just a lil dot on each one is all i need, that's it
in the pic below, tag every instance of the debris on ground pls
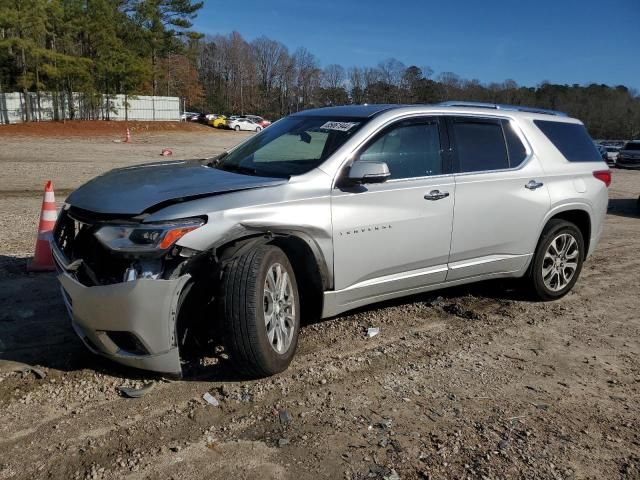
(9, 366)
(210, 399)
(373, 331)
(132, 392)
(393, 475)
(285, 417)
(459, 311)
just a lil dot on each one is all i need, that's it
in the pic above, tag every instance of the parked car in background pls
(612, 155)
(199, 118)
(603, 152)
(243, 123)
(186, 116)
(259, 120)
(629, 155)
(220, 121)
(327, 211)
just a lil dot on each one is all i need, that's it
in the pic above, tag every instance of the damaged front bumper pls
(132, 323)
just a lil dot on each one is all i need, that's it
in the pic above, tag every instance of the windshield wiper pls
(235, 168)
(213, 162)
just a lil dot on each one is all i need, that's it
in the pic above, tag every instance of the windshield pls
(292, 146)
(632, 146)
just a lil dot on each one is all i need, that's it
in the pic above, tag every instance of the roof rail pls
(501, 106)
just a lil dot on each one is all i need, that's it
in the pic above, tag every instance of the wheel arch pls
(310, 268)
(577, 213)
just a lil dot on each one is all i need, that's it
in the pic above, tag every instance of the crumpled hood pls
(133, 190)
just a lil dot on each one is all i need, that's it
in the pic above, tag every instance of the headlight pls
(145, 238)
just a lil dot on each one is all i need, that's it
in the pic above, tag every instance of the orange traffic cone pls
(42, 259)
(127, 138)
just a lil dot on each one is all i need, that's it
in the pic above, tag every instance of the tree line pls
(93, 48)
(148, 47)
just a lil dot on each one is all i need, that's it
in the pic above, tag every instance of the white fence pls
(16, 107)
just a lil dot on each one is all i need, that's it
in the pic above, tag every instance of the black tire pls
(242, 308)
(258, 129)
(237, 129)
(553, 229)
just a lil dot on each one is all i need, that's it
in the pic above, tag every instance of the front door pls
(395, 236)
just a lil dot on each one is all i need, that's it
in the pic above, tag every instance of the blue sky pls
(562, 41)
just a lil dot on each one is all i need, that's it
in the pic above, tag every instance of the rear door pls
(501, 198)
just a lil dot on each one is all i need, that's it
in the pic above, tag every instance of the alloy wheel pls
(279, 308)
(560, 262)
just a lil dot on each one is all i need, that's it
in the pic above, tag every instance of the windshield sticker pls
(340, 126)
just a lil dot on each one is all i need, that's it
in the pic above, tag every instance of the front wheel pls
(237, 129)
(261, 308)
(258, 129)
(557, 261)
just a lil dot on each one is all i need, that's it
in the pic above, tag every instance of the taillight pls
(604, 175)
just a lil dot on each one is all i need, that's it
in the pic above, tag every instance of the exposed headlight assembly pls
(146, 238)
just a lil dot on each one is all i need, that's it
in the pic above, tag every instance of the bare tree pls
(308, 76)
(333, 76)
(267, 53)
(356, 84)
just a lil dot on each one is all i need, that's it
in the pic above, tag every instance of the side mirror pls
(369, 172)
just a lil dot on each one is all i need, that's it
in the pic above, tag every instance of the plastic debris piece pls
(393, 475)
(210, 399)
(373, 331)
(136, 392)
(7, 366)
(38, 372)
(282, 442)
(385, 424)
(285, 417)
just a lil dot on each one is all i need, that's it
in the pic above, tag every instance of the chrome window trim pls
(349, 157)
(424, 177)
(512, 121)
(518, 131)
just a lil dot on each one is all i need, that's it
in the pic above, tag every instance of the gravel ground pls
(472, 382)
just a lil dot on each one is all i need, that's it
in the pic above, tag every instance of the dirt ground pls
(472, 382)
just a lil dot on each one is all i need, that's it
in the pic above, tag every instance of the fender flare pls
(565, 207)
(247, 238)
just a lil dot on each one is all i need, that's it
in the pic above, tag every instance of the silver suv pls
(325, 211)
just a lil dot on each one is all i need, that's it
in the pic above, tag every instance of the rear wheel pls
(258, 129)
(237, 129)
(260, 305)
(557, 261)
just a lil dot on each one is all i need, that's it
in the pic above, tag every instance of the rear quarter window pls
(572, 139)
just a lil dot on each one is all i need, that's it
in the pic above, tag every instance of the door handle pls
(436, 195)
(533, 184)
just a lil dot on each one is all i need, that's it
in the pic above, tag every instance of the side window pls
(572, 139)
(480, 144)
(409, 150)
(517, 152)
